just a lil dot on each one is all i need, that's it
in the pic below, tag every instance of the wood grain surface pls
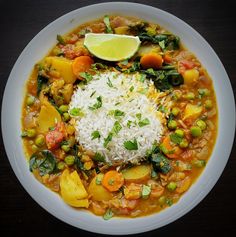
(20, 21)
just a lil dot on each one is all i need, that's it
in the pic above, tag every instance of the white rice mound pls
(127, 94)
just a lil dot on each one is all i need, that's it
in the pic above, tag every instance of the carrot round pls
(151, 60)
(176, 150)
(112, 180)
(81, 64)
(167, 58)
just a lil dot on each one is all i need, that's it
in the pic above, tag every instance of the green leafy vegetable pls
(131, 145)
(87, 76)
(108, 215)
(143, 122)
(160, 163)
(106, 20)
(61, 40)
(98, 157)
(107, 139)
(97, 105)
(95, 134)
(41, 80)
(44, 161)
(138, 116)
(78, 164)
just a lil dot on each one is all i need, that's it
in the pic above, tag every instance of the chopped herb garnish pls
(109, 83)
(131, 88)
(143, 122)
(146, 190)
(117, 103)
(98, 179)
(97, 105)
(76, 112)
(107, 139)
(116, 128)
(92, 94)
(98, 157)
(131, 145)
(106, 20)
(138, 116)
(129, 123)
(118, 113)
(175, 138)
(61, 40)
(97, 66)
(87, 76)
(108, 215)
(95, 134)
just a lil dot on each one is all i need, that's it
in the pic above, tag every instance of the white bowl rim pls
(117, 226)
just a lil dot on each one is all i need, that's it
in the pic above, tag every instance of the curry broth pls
(185, 167)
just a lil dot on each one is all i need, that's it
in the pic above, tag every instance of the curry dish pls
(119, 137)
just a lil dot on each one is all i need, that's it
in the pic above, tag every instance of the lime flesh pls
(111, 47)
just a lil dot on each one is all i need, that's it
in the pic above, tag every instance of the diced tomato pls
(53, 138)
(72, 39)
(183, 65)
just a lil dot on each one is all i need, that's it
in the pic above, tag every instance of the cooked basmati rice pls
(123, 93)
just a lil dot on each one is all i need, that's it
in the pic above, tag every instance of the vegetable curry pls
(84, 178)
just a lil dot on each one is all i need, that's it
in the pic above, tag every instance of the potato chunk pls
(190, 76)
(63, 66)
(192, 111)
(97, 191)
(72, 189)
(44, 121)
(137, 173)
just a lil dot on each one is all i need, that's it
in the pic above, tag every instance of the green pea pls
(69, 160)
(65, 148)
(31, 132)
(66, 117)
(40, 140)
(195, 131)
(183, 143)
(162, 200)
(61, 165)
(30, 100)
(190, 96)
(175, 111)
(171, 186)
(177, 95)
(199, 163)
(203, 92)
(208, 104)
(34, 148)
(179, 133)
(172, 124)
(63, 108)
(201, 124)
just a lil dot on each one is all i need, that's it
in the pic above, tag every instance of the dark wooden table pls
(20, 21)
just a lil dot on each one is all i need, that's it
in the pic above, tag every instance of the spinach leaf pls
(160, 163)
(44, 161)
(106, 20)
(41, 80)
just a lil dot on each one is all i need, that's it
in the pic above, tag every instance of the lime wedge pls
(111, 47)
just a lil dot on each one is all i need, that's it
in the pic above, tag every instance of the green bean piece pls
(201, 124)
(208, 104)
(65, 148)
(61, 165)
(30, 100)
(171, 186)
(183, 143)
(63, 108)
(31, 132)
(175, 111)
(179, 133)
(66, 117)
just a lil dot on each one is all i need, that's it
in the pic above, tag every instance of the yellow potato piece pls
(137, 173)
(183, 185)
(192, 111)
(48, 117)
(190, 76)
(63, 66)
(72, 189)
(97, 191)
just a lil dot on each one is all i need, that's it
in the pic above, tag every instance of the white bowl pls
(11, 119)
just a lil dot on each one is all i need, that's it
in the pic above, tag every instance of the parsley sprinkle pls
(109, 83)
(107, 139)
(116, 128)
(118, 113)
(95, 134)
(87, 76)
(131, 145)
(98, 157)
(143, 122)
(76, 112)
(92, 94)
(97, 105)
(131, 88)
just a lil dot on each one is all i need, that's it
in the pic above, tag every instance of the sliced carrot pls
(167, 58)
(151, 60)
(172, 151)
(112, 180)
(81, 64)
